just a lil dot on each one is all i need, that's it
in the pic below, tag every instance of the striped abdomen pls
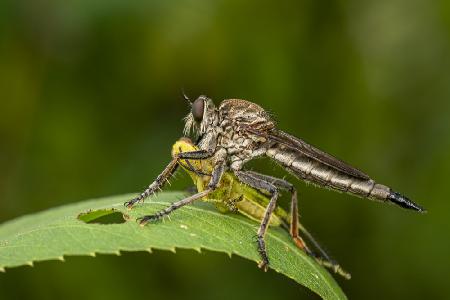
(314, 171)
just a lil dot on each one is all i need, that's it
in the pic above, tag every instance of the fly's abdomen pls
(321, 174)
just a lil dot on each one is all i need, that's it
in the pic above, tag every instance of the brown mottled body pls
(240, 121)
(241, 146)
(247, 131)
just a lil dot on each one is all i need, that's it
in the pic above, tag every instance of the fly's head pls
(203, 115)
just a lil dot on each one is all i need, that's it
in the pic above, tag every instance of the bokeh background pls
(90, 105)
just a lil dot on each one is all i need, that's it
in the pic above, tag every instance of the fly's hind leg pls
(261, 184)
(293, 224)
(324, 259)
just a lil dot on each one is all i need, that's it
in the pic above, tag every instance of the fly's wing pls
(316, 154)
(254, 119)
(311, 152)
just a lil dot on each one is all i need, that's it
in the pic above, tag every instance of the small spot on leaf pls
(103, 216)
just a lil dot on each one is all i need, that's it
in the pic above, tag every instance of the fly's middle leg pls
(293, 224)
(261, 184)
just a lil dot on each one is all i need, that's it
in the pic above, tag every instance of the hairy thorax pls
(240, 145)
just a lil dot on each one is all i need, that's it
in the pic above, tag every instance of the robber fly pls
(237, 197)
(238, 131)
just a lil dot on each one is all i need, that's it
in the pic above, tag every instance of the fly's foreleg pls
(293, 224)
(191, 168)
(164, 177)
(174, 206)
(217, 172)
(261, 184)
(155, 185)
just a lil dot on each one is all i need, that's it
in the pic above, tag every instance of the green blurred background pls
(90, 105)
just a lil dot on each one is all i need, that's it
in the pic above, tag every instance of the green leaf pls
(86, 229)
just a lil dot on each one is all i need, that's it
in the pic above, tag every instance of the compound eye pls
(197, 109)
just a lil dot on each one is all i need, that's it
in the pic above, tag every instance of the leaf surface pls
(73, 230)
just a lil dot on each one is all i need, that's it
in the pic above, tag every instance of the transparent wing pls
(308, 150)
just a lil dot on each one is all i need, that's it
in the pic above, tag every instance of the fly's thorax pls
(240, 145)
(236, 141)
(237, 160)
(236, 116)
(225, 127)
(244, 113)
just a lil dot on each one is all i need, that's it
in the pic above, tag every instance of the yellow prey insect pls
(235, 196)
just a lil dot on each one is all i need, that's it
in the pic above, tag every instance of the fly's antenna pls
(185, 97)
